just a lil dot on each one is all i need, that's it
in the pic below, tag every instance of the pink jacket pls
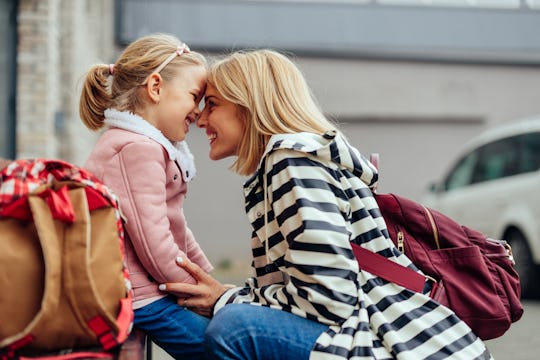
(151, 191)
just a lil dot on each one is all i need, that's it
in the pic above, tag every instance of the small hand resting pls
(201, 297)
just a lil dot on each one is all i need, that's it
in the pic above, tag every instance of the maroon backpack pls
(473, 275)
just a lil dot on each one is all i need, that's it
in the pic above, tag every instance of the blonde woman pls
(146, 102)
(308, 197)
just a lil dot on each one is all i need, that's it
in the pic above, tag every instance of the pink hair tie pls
(111, 69)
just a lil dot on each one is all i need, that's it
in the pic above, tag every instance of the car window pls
(461, 174)
(499, 159)
(530, 152)
(496, 160)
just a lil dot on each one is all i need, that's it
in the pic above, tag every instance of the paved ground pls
(521, 342)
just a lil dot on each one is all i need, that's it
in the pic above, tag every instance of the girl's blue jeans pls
(251, 332)
(175, 329)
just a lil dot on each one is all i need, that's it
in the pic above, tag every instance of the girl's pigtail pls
(95, 96)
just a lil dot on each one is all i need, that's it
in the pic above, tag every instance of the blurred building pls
(409, 79)
(47, 46)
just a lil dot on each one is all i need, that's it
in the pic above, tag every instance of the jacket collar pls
(302, 141)
(177, 151)
(330, 146)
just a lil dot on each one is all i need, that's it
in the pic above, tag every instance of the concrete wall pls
(58, 41)
(416, 114)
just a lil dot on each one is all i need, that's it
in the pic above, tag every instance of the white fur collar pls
(178, 151)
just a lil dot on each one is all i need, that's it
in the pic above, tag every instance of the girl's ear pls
(153, 87)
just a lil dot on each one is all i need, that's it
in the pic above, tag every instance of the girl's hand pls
(201, 297)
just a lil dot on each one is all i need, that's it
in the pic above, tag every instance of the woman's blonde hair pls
(272, 97)
(118, 85)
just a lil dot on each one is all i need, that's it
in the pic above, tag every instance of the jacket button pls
(259, 214)
(175, 176)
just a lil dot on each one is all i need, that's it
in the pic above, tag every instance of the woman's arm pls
(310, 209)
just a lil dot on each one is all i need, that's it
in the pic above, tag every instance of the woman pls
(308, 197)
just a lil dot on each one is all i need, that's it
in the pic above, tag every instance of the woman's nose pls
(202, 119)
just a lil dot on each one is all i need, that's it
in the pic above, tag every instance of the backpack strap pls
(48, 242)
(387, 269)
(78, 281)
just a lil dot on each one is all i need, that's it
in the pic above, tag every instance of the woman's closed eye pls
(210, 104)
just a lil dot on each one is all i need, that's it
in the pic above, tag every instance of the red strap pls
(19, 209)
(95, 199)
(59, 204)
(14, 346)
(105, 333)
(391, 271)
(124, 319)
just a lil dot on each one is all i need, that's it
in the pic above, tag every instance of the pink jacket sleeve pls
(143, 198)
(195, 253)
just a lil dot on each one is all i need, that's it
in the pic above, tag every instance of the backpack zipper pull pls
(401, 242)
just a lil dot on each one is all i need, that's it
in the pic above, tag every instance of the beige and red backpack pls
(63, 280)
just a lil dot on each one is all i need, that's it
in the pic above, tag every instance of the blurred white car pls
(494, 187)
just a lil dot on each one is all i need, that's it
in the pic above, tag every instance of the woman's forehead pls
(211, 91)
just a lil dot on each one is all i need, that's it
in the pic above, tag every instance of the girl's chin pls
(180, 137)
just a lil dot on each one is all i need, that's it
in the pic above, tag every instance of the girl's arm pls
(143, 201)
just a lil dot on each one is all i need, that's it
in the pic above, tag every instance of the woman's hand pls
(201, 297)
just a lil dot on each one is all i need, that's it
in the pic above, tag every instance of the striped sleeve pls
(308, 210)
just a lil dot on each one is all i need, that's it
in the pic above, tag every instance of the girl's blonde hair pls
(272, 97)
(118, 86)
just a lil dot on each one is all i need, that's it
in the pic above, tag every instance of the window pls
(461, 174)
(530, 152)
(498, 159)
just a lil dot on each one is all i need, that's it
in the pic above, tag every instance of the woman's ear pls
(153, 87)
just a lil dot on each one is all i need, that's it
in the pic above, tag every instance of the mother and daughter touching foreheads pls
(307, 197)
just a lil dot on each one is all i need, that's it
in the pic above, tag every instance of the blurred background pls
(412, 80)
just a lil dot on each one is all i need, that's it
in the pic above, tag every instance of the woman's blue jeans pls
(251, 332)
(176, 330)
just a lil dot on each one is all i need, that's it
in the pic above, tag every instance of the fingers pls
(192, 268)
(201, 296)
(181, 288)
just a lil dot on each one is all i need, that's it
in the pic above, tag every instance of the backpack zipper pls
(401, 242)
(433, 227)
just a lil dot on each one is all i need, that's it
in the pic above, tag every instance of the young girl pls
(307, 198)
(147, 101)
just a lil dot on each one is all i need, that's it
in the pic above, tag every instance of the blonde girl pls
(146, 103)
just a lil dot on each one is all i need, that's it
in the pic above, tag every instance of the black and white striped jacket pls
(318, 200)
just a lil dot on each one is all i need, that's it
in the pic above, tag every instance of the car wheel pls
(525, 266)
